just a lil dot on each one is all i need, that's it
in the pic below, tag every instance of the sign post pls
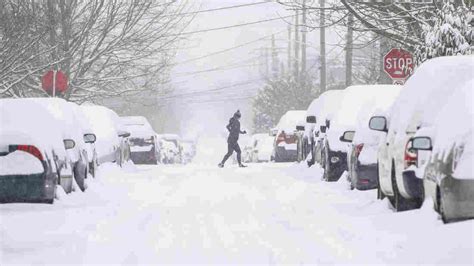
(398, 64)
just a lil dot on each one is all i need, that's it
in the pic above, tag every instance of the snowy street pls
(264, 214)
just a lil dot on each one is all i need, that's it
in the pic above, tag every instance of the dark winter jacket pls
(234, 130)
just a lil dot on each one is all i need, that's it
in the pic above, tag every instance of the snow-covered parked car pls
(143, 142)
(33, 158)
(362, 153)
(316, 115)
(89, 137)
(351, 112)
(327, 105)
(71, 128)
(285, 144)
(417, 106)
(448, 172)
(112, 139)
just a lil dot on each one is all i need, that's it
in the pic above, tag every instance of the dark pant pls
(231, 147)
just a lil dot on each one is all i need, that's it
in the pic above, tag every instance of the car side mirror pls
(422, 143)
(123, 134)
(69, 144)
(299, 128)
(273, 132)
(322, 129)
(311, 119)
(378, 123)
(348, 136)
(89, 138)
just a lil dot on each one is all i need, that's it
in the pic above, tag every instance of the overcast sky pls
(209, 111)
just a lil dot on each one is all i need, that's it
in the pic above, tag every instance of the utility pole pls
(303, 43)
(349, 46)
(322, 46)
(275, 64)
(289, 50)
(297, 47)
(267, 64)
(384, 48)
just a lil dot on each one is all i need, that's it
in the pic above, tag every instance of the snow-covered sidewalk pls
(264, 214)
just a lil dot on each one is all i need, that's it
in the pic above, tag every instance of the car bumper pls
(458, 198)
(366, 176)
(286, 155)
(143, 157)
(27, 188)
(412, 185)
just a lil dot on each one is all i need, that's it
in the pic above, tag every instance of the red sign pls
(398, 64)
(54, 82)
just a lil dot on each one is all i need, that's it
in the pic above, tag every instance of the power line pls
(215, 69)
(193, 93)
(228, 49)
(230, 27)
(218, 9)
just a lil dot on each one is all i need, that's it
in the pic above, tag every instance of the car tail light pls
(358, 149)
(410, 155)
(290, 139)
(29, 149)
(281, 137)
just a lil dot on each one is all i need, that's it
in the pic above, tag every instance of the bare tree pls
(106, 48)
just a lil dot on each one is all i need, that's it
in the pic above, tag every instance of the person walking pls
(232, 140)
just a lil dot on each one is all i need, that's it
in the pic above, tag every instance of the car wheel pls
(440, 205)
(399, 202)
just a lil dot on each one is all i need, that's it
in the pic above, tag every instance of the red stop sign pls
(47, 82)
(398, 63)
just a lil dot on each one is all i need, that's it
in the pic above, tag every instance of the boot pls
(221, 165)
(242, 166)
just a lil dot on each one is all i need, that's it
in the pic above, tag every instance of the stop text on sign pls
(398, 64)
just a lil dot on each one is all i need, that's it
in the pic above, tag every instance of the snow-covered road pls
(264, 214)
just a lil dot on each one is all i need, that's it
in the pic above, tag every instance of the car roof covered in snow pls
(357, 102)
(25, 122)
(327, 100)
(291, 119)
(138, 126)
(65, 112)
(170, 136)
(380, 103)
(425, 93)
(134, 120)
